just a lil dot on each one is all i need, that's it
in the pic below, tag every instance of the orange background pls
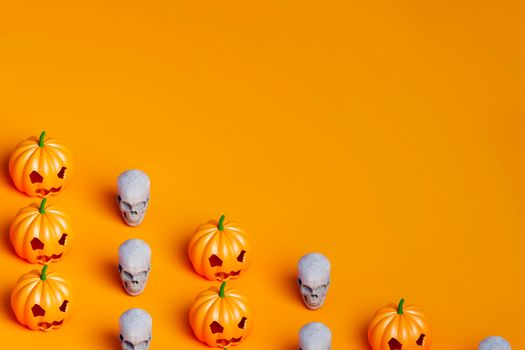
(387, 135)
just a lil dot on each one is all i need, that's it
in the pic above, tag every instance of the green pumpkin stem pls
(221, 291)
(43, 206)
(43, 275)
(400, 306)
(221, 223)
(41, 139)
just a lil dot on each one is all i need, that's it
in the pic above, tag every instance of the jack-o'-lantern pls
(40, 167)
(219, 251)
(220, 317)
(41, 233)
(399, 327)
(41, 300)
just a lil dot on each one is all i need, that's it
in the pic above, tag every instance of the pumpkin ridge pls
(377, 321)
(210, 247)
(29, 164)
(54, 157)
(33, 297)
(209, 300)
(21, 152)
(56, 229)
(387, 332)
(413, 327)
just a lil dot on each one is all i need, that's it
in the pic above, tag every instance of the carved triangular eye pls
(62, 240)
(216, 327)
(63, 307)
(36, 244)
(242, 323)
(35, 177)
(240, 258)
(38, 311)
(420, 340)
(394, 344)
(215, 261)
(62, 172)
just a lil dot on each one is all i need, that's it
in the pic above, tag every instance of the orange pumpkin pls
(399, 327)
(220, 317)
(41, 234)
(219, 251)
(41, 300)
(40, 167)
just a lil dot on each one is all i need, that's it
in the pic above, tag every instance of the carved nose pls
(133, 212)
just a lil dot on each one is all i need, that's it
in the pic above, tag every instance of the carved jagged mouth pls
(47, 326)
(45, 191)
(223, 275)
(47, 258)
(226, 342)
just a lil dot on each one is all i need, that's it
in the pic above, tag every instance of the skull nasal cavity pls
(62, 239)
(35, 177)
(63, 307)
(38, 311)
(242, 323)
(215, 327)
(394, 344)
(420, 340)
(215, 261)
(62, 172)
(36, 244)
(240, 258)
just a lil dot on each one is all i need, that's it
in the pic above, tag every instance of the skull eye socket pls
(36, 244)
(242, 323)
(125, 205)
(240, 258)
(119, 268)
(215, 261)
(299, 281)
(394, 344)
(37, 310)
(63, 307)
(121, 337)
(216, 327)
(35, 177)
(420, 340)
(62, 173)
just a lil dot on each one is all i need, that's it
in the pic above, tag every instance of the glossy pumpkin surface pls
(41, 233)
(219, 251)
(40, 167)
(220, 317)
(41, 300)
(399, 327)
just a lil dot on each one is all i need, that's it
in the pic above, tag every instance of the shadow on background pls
(109, 205)
(6, 305)
(109, 271)
(111, 340)
(289, 287)
(183, 323)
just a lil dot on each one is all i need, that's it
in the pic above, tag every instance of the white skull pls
(135, 330)
(133, 195)
(314, 279)
(315, 336)
(494, 343)
(134, 264)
